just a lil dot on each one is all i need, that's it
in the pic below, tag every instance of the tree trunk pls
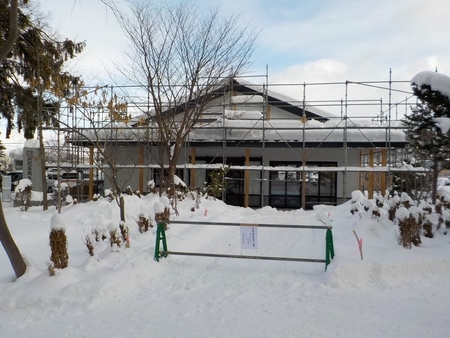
(13, 31)
(122, 208)
(10, 246)
(173, 160)
(434, 183)
(42, 155)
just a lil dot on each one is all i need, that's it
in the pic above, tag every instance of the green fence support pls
(329, 249)
(160, 236)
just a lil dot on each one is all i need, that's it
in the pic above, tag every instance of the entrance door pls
(286, 186)
(285, 189)
(235, 188)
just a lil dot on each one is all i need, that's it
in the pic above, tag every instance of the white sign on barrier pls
(249, 236)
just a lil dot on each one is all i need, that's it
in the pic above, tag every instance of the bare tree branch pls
(181, 57)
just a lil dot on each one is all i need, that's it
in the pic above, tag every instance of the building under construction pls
(285, 145)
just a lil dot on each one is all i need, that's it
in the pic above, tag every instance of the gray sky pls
(300, 40)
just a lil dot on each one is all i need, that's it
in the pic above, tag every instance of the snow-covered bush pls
(63, 189)
(87, 240)
(162, 211)
(114, 237)
(144, 222)
(22, 194)
(409, 226)
(125, 233)
(414, 218)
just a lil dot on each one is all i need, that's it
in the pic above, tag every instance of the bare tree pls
(181, 57)
(104, 120)
(7, 162)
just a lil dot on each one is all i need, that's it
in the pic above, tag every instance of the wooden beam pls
(383, 175)
(141, 171)
(192, 179)
(247, 178)
(91, 174)
(370, 183)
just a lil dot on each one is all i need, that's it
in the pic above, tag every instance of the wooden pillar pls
(370, 183)
(361, 173)
(246, 178)
(192, 183)
(141, 170)
(91, 174)
(383, 175)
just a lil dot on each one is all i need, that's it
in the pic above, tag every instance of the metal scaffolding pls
(357, 107)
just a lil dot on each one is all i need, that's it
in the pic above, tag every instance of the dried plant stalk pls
(58, 244)
(88, 242)
(163, 216)
(114, 238)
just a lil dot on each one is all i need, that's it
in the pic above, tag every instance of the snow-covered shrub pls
(196, 196)
(376, 212)
(446, 218)
(110, 195)
(379, 201)
(87, 240)
(144, 222)
(359, 202)
(406, 200)
(129, 191)
(99, 233)
(409, 226)
(180, 189)
(162, 212)
(114, 237)
(125, 233)
(393, 204)
(367, 205)
(427, 226)
(70, 200)
(151, 187)
(22, 194)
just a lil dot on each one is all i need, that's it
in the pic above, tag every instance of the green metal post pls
(160, 236)
(329, 250)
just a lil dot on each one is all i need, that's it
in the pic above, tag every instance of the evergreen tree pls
(31, 66)
(429, 142)
(32, 75)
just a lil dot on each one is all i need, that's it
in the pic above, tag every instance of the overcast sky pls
(300, 40)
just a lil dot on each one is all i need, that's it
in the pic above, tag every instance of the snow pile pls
(121, 292)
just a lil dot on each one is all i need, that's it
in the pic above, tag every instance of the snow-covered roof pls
(236, 127)
(279, 96)
(294, 130)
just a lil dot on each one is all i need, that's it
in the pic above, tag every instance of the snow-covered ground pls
(393, 292)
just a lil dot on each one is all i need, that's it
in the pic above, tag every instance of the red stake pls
(359, 244)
